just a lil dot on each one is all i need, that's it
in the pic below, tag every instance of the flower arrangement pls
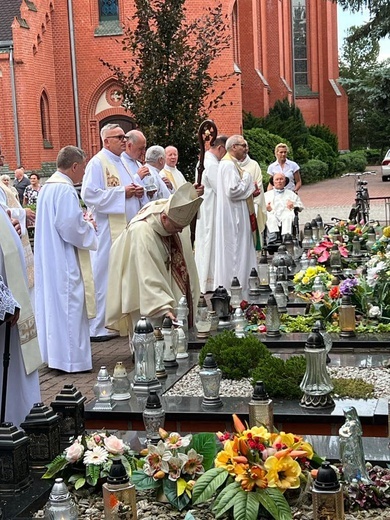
(173, 466)
(322, 250)
(88, 459)
(346, 231)
(304, 280)
(253, 472)
(254, 314)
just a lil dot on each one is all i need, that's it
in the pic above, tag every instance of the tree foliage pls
(286, 119)
(166, 80)
(367, 84)
(379, 23)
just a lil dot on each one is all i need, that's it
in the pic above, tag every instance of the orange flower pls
(253, 476)
(334, 293)
(238, 425)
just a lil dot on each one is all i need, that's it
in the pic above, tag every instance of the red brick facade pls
(261, 52)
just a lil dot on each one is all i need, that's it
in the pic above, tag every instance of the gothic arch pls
(103, 91)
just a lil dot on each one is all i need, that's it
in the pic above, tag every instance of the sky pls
(346, 19)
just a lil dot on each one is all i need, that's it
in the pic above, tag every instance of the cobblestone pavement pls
(332, 197)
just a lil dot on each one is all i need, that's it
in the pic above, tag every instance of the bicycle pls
(360, 211)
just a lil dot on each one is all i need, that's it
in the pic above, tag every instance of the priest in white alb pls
(205, 223)
(114, 195)
(236, 232)
(151, 267)
(64, 284)
(25, 358)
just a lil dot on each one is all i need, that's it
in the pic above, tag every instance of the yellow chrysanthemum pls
(386, 232)
(311, 271)
(282, 473)
(305, 280)
(251, 477)
(298, 277)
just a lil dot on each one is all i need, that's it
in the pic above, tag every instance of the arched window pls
(45, 121)
(108, 10)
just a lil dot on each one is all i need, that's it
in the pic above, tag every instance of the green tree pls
(286, 119)
(166, 80)
(379, 23)
(367, 93)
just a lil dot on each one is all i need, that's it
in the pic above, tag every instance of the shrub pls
(358, 161)
(262, 144)
(313, 171)
(352, 388)
(320, 149)
(374, 156)
(281, 378)
(286, 119)
(236, 357)
(325, 133)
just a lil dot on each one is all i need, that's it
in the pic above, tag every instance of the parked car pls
(385, 167)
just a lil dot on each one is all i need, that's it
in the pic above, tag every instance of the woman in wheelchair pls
(282, 206)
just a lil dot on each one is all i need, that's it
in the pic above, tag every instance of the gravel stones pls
(190, 384)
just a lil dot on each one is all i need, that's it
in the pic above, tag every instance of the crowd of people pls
(128, 252)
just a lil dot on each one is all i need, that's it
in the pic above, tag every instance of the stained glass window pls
(108, 10)
(300, 42)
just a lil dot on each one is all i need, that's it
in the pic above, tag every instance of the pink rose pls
(114, 445)
(74, 452)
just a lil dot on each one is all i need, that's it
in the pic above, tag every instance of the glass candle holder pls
(120, 383)
(347, 317)
(144, 350)
(272, 319)
(235, 293)
(153, 417)
(281, 298)
(119, 497)
(60, 504)
(170, 341)
(182, 344)
(159, 351)
(202, 324)
(327, 494)
(210, 377)
(316, 384)
(103, 390)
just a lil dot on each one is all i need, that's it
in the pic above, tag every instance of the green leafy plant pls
(236, 357)
(281, 378)
(173, 466)
(353, 388)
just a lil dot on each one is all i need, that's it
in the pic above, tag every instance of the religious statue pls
(351, 448)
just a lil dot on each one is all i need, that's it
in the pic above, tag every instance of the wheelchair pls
(272, 241)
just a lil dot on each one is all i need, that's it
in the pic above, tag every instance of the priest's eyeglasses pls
(121, 137)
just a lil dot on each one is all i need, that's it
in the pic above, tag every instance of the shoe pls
(101, 339)
(273, 239)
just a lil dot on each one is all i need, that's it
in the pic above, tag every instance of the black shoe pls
(101, 339)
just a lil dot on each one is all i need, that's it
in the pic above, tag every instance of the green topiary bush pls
(320, 149)
(281, 378)
(326, 134)
(314, 171)
(236, 357)
(262, 144)
(358, 161)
